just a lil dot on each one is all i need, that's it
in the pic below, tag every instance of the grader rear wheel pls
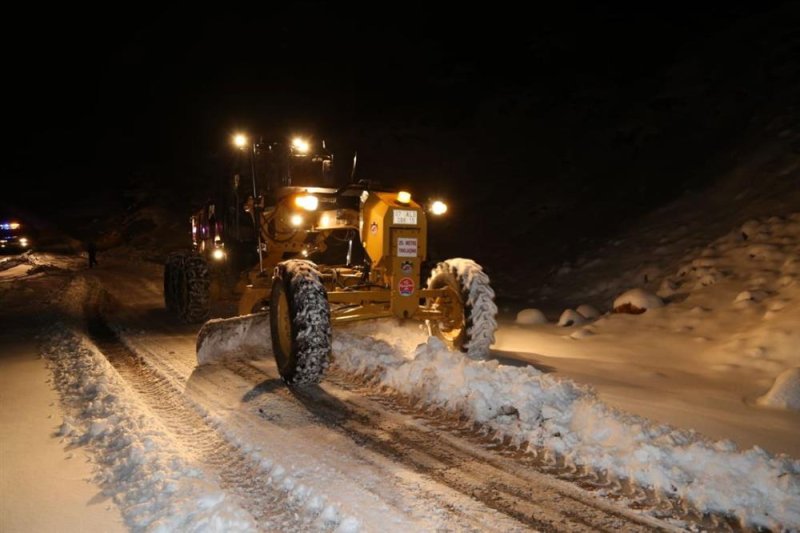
(469, 311)
(192, 294)
(172, 269)
(300, 323)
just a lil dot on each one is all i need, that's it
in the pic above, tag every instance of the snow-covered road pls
(402, 435)
(343, 455)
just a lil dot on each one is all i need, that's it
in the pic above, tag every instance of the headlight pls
(300, 145)
(296, 220)
(404, 197)
(23, 241)
(438, 207)
(218, 254)
(309, 202)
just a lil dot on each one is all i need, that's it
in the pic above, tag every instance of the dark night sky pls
(99, 97)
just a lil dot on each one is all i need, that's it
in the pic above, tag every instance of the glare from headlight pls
(218, 254)
(300, 145)
(296, 220)
(309, 202)
(240, 140)
(438, 207)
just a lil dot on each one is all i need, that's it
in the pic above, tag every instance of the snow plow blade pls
(237, 337)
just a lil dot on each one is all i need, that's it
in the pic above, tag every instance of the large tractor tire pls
(470, 311)
(192, 295)
(172, 268)
(300, 323)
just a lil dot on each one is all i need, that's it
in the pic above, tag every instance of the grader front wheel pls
(452, 327)
(300, 323)
(469, 311)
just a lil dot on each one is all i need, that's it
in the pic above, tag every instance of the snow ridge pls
(152, 485)
(568, 420)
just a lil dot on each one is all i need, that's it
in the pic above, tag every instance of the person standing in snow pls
(92, 249)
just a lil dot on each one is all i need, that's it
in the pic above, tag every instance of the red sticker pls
(406, 287)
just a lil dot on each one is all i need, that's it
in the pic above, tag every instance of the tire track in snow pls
(234, 470)
(576, 482)
(461, 460)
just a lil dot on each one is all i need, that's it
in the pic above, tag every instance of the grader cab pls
(330, 256)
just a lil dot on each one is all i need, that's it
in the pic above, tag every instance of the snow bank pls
(153, 486)
(785, 392)
(529, 317)
(561, 417)
(12, 261)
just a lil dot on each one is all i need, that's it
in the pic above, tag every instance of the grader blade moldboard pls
(224, 338)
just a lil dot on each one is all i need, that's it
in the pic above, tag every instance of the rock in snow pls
(636, 301)
(570, 317)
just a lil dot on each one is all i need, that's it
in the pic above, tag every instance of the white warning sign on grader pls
(404, 216)
(406, 247)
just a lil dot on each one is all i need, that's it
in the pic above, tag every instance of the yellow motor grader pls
(330, 256)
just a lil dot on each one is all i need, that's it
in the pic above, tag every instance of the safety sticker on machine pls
(406, 247)
(405, 287)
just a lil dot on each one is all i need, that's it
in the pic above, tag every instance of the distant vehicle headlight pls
(218, 254)
(296, 220)
(23, 241)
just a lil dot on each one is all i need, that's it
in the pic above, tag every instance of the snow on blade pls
(153, 486)
(562, 417)
(221, 338)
